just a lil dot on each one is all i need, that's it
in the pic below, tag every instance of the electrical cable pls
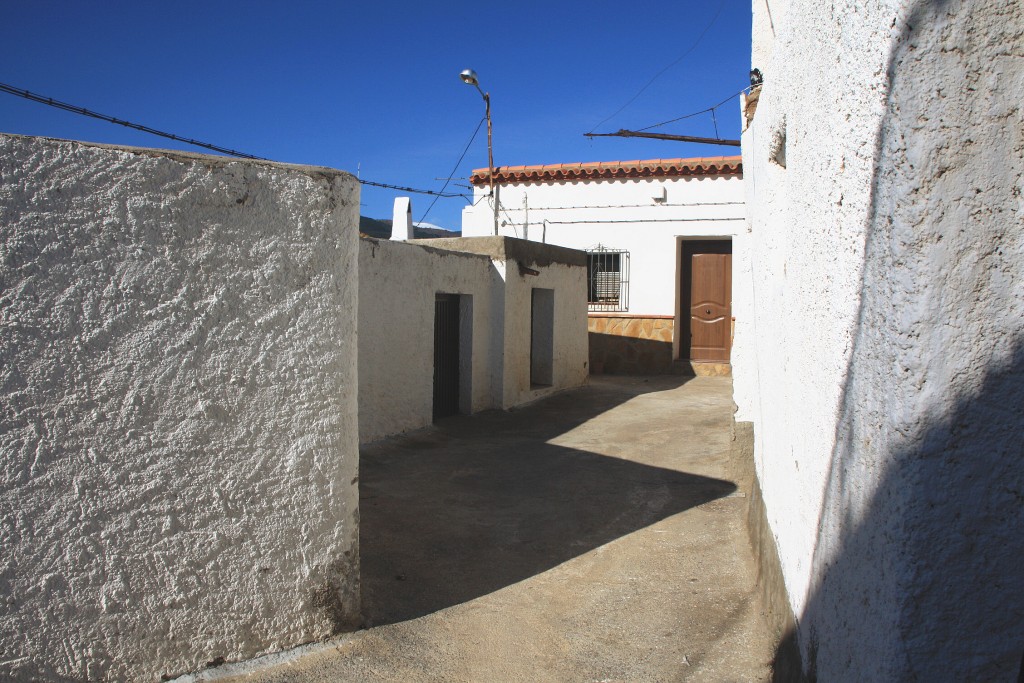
(411, 189)
(455, 169)
(693, 47)
(74, 109)
(509, 219)
(624, 206)
(648, 220)
(696, 113)
(128, 124)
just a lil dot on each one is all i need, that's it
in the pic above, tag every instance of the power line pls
(624, 206)
(615, 221)
(509, 218)
(643, 220)
(707, 28)
(454, 169)
(411, 189)
(49, 101)
(696, 113)
(128, 124)
(639, 133)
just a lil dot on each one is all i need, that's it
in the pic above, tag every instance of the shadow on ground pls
(478, 503)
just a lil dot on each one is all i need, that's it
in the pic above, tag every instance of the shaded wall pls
(887, 443)
(630, 345)
(177, 409)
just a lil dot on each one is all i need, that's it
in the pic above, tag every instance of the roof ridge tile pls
(635, 168)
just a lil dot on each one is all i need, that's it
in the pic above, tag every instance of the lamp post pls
(469, 77)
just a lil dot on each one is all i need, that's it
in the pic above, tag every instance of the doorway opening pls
(542, 337)
(705, 301)
(446, 355)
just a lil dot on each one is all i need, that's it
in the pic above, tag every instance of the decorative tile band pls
(630, 345)
(658, 329)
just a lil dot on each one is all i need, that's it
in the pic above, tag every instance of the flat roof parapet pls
(509, 249)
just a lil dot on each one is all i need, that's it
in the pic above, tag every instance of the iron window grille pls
(607, 279)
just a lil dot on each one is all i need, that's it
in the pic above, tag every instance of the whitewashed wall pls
(885, 364)
(619, 214)
(766, 13)
(564, 272)
(398, 284)
(178, 444)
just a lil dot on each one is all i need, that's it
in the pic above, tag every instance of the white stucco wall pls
(883, 371)
(619, 214)
(178, 444)
(569, 283)
(398, 284)
(765, 15)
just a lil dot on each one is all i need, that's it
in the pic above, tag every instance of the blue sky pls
(374, 85)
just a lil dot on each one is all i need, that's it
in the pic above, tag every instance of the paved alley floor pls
(592, 536)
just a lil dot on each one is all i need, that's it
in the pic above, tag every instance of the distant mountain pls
(381, 229)
(431, 226)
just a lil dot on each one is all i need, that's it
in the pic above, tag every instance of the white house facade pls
(659, 236)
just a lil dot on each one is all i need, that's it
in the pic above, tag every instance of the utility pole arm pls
(664, 136)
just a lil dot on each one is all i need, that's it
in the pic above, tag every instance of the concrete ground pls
(593, 536)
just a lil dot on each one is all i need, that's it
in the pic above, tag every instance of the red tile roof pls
(651, 168)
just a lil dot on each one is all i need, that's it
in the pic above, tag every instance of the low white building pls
(460, 325)
(659, 236)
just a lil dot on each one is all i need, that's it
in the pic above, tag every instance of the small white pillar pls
(401, 220)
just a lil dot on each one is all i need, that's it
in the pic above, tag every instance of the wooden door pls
(446, 355)
(706, 301)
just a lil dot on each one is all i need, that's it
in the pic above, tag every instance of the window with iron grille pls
(607, 279)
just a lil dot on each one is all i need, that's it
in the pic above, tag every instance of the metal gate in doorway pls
(446, 355)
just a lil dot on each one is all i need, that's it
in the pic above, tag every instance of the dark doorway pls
(446, 355)
(706, 301)
(542, 337)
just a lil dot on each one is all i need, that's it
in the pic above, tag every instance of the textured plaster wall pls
(885, 371)
(620, 214)
(570, 362)
(765, 15)
(178, 445)
(398, 284)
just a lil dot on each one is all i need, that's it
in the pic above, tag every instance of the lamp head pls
(468, 76)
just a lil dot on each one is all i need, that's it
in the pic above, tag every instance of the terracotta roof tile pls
(650, 168)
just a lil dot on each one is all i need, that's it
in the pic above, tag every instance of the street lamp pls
(469, 77)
